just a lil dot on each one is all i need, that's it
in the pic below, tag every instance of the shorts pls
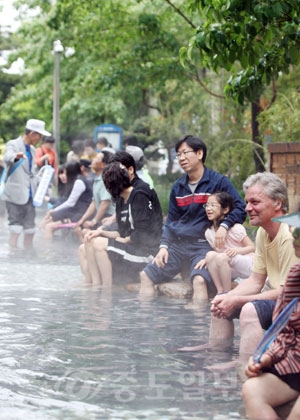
(180, 253)
(264, 309)
(21, 217)
(119, 252)
(68, 214)
(292, 379)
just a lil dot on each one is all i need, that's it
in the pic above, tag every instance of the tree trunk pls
(170, 160)
(258, 151)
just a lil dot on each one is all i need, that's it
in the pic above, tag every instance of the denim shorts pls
(264, 309)
(181, 252)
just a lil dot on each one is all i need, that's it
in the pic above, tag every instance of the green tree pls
(8, 82)
(122, 58)
(254, 41)
(282, 120)
(124, 68)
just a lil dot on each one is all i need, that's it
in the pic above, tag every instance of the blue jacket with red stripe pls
(187, 218)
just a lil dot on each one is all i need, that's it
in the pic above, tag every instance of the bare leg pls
(45, 220)
(147, 286)
(80, 233)
(92, 267)
(103, 261)
(251, 334)
(50, 228)
(220, 335)
(221, 332)
(13, 240)
(251, 330)
(28, 240)
(295, 412)
(83, 264)
(263, 393)
(200, 294)
(219, 269)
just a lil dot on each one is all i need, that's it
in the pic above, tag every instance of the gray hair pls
(273, 187)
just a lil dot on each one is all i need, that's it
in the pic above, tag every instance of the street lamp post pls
(57, 50)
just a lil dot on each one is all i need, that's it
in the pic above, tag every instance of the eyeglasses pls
(178, 155)
(211, 206)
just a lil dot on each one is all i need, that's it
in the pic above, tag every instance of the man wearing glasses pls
(183, 240)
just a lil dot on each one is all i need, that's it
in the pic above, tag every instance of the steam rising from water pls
(70, 352)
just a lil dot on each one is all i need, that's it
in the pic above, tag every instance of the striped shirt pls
(285, 350)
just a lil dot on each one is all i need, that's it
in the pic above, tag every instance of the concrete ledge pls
(176, 288)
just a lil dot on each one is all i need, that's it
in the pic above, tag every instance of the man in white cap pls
(21, 182)
(138, 156)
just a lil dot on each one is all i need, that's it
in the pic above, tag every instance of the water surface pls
(69, 352)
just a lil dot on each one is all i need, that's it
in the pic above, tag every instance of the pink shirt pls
(234, 237)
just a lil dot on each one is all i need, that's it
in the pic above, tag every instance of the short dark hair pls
(195, 143)
(48, 139)
(102, 140)
(115, 178)
(89, 143)
(85, 162)
(131, 140)
(107, 156)
(27, 131)
(224, 199)
(77, 146)
(125, 158)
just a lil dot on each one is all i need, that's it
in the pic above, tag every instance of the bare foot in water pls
(224, 366)
(147, 298)
(211, 345)
(197, 306)
(191, 305)
(197, 348)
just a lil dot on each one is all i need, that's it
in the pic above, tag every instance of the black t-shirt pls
(141, 216)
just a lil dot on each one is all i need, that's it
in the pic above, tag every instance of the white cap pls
(108, 149)
(136, 152)
(38, 126)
